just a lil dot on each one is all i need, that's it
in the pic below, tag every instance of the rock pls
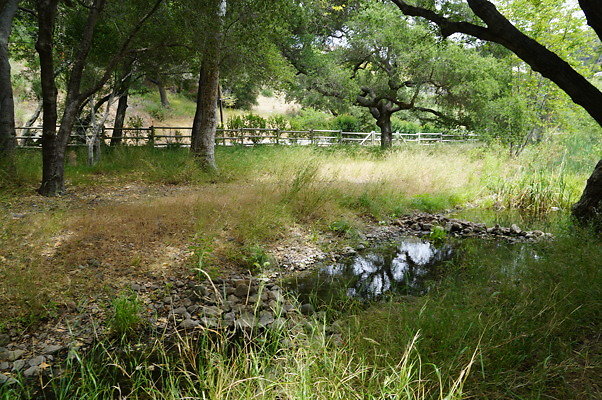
(52, 349)
(4, 339)
(4, 366)
(427, 227)
(349, 251)
(179, 311)
(265, 318)
(515, 229)
(212, 311)
(186, 302)
(210, 323)
(19, 364)
(6, 380)
(279, 323)
(136, 287)
(246, 321)
(32, 371)
(537, 233)
(189, 324)
(242, 290)
(34, 362)
(307, 309)
(11, 355)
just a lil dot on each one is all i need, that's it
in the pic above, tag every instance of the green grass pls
(125, 318)
(293, 362)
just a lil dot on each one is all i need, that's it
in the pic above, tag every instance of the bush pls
(346, 123)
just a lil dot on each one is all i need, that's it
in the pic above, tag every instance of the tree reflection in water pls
(403, 268)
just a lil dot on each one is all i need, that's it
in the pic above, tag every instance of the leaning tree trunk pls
(8, 9)
(589, 207)
(205, 118)
(386, 132)
(122, 106)
(162, 93)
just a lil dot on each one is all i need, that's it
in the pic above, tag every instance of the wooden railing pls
(164, 136)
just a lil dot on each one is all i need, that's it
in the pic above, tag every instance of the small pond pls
(406, 267)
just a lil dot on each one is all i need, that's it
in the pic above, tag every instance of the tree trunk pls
(205, 118)
(162, 94)
(386, 132)
(122, 106)
(32, 120)
(589, 207)
(8, 9)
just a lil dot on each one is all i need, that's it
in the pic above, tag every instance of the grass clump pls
(126, 316)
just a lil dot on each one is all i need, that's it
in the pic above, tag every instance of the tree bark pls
(205, 118)
(122, 106)
(8, 8)
(589, 207)
(162, 94)
(386, 132)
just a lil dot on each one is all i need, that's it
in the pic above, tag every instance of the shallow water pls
(406, 267)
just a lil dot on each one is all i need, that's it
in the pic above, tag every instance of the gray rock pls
(246, 321)
(136, 287)
(307, 309)
(180, 311)
(32, 371)
(242, 290)
(34, 362)
(515, 229)
(11, 355)
(189, 324)
(279, 323)
(186, 302)
(4, 339)
(6, 380)
(210, 323)
(19, 365)
(212, 311)
(265, 318)
(5, 366)
(52, 349)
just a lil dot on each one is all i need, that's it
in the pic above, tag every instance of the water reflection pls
(403, 268)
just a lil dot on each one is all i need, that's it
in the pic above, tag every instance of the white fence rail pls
(164, 136)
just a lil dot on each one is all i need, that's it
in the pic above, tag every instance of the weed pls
(126, 316)
(437, 234)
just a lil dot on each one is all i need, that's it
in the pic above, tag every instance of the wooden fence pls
(161, 136)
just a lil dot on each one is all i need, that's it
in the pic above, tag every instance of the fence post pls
(277, 135)
(373, 139)
(341, 136)
(151, 136)
(312, 136)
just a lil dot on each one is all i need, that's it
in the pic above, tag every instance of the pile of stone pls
(422, 224)
(234, 303)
